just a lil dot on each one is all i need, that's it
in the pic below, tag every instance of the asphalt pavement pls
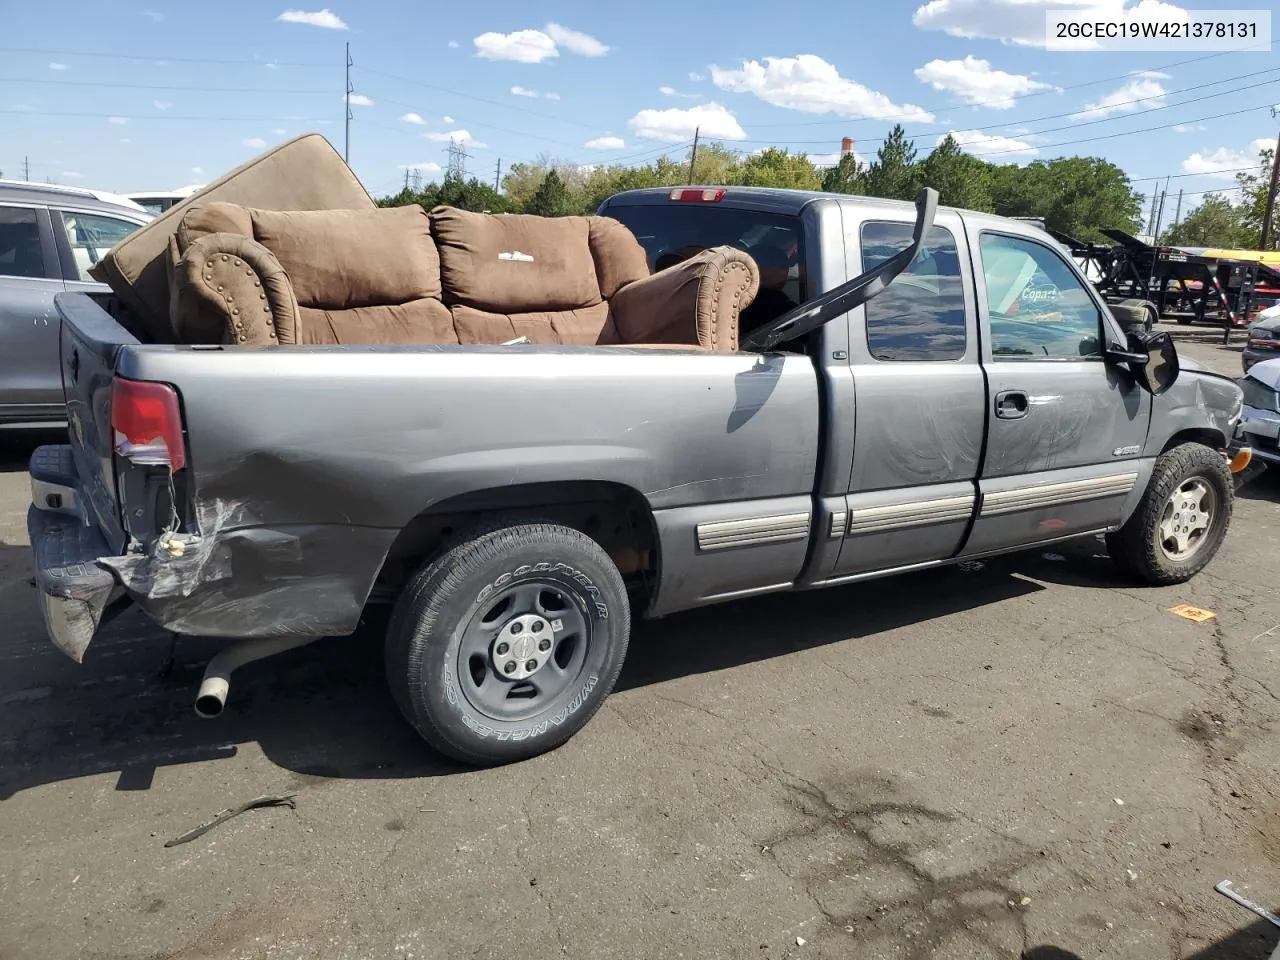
(1032, 758)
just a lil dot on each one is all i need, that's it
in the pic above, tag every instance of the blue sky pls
(594, 83)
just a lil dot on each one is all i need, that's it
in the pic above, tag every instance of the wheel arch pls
(1207, 436)
(618, 517)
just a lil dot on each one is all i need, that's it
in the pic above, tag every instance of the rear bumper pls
(74, 592)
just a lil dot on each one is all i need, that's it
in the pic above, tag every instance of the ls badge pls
(1126, 451)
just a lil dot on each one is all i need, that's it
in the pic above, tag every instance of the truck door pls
(30, 381)
(919, 400)
(1065, 428)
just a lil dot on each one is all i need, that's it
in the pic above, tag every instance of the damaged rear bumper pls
(76, 595)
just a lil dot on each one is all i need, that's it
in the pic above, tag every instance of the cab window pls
(91, 236)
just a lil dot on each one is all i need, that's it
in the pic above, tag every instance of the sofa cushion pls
(425, 321)
(617, 253)
(305, 173)
(515, 262)
(339, 259)
(587, 326)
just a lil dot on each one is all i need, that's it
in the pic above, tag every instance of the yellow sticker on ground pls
(1189, 612)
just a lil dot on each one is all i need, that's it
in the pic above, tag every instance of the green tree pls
(961, 179)
(1217, 222)
(551, 199)
(1076, 195)
(776, 167)
(894, 173)
(716, 165)
(847, 176)
(1254, 185)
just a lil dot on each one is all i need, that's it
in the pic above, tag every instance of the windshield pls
(676, 231)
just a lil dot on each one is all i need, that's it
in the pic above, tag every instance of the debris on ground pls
(1188, 612)
(1055, 557)
(282, 800)
(970, 566)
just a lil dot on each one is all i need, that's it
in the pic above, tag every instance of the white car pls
(1260, 419)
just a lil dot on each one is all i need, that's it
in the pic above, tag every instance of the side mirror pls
(1152, 358)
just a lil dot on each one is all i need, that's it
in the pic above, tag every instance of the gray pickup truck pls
(915, 387)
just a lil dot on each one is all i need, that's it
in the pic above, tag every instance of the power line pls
(154, 59)
(156, 86)
(1087, 123)
(468, 96)
(1017, 98)
(163, 116)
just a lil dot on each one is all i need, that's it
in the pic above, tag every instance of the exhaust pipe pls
(212, 695)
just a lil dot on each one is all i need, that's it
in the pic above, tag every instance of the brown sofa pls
(244, 274)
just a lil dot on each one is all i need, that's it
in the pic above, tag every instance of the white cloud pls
(526, 92)
(453, 44)
(1143, 92)
(811, 85)
(272, 66)
(1022, 22)
(279, 131)
(605, 143)
(360, 100)
(534, 46)
(318, 18)
(1222, 163)
(118, 121)
(162, 104)
(256, 143)
(197, 171)
(153, 14)
(24, 108)
(448, 120)
(976, 83)
(70, 174)
(522, 46)
(126, 140)
(674, 125)
(1188, 127)
(461, 136)
(427, 166)
(982, 144)
(583, 44)
(58, 66)
(673, 92)
(413, 118)
(696, 77)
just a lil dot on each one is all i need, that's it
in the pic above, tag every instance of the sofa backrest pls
(135, 268)
(335, 259)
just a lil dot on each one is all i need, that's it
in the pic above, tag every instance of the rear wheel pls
(506, 645)
(1182, 519)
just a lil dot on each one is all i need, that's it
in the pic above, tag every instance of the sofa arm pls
(227, 288)
(696, 301)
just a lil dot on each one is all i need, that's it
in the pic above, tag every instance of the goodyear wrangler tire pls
(505, 646)
(1181, 520)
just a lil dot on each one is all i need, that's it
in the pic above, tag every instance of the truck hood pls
(1267, 372)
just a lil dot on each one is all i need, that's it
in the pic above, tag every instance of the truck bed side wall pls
(308, 462)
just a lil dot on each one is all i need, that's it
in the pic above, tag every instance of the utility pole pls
(26, 168)
(346, 144)
(1177, 212)
(1271, 193)
(1155, 236)
(693, 158)
(406, 178)
(497, 177)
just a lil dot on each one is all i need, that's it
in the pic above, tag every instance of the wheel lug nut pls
(502, 648)
(515, 628)
(544, 645)
(509, 667)
(537, 626)
(531, 665)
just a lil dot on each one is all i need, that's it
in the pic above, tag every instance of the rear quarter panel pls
(313, 459)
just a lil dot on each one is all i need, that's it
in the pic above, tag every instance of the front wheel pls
(506, 645)
(1182, 518)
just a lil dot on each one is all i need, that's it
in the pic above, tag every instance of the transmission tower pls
(458, 158)
(417, 180)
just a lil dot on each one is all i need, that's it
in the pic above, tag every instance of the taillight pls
(146, 424)
(697, 195)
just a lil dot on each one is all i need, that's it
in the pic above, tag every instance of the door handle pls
(1011, 405)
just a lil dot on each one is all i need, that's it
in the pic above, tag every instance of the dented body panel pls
(815, 465)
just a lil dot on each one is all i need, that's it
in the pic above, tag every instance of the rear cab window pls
(673, 232)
